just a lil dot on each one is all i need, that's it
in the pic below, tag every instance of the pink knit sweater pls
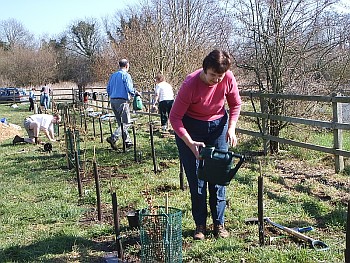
(202, 102)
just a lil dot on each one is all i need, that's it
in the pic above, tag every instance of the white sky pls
(344, 6)
(51, 17)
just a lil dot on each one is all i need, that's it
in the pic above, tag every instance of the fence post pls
(73, 99)
(337, 133)
(149, 106)
(103, 102)
(347, 244)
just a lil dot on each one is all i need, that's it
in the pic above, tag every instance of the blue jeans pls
(46, 101)
(212, 133)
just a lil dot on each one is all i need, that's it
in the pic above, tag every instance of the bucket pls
(4, 120)
(133, 219)
(215, 165)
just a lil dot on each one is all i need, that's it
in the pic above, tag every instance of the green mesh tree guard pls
(73, 144)
(161, 235)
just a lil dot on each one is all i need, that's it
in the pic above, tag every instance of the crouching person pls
(36, 123)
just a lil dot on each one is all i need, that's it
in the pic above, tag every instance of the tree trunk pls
(274, 131)
(275, 125)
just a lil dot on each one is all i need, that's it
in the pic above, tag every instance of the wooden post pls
(74, 119)
(135, 148)
(261, 207)
(93, 126)
(73, 99)
(182, 186)
(110, 126)
(58, 129)
(116, 225)
(101, 131)
(347, 248)
(337, 134)
(85, 123)
(123, 134)
(149, 106)
(98, 193)
(77, 164)
(153, 149)
(102, 102)
(69, 166)
(77, 170)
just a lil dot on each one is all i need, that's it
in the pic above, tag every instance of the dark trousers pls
(212, 133)
(31, 104)
(164, 110)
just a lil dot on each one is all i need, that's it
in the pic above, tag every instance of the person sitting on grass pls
(36, 123)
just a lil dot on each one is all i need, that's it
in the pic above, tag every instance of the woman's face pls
(213, 78)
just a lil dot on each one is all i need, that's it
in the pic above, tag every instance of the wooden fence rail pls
(99, 100)
(336, 124)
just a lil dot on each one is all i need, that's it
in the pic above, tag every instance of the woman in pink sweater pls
(199, 118)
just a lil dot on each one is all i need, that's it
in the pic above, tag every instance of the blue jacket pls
(31, 95)
(120, 85)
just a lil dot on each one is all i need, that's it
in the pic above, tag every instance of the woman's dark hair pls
(219, 61)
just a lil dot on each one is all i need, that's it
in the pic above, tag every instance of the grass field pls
(43, 219)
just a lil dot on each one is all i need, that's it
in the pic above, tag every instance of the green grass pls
(43, 219)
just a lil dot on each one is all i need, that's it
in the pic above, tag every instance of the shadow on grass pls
(277, 198)
(244, 178)
(317, 210)
(336, 217)
(60, 248)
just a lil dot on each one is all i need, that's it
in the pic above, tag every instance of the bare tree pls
(335, 65)
(13, 33)
(284, 43)
(25, 67)
(168, 36)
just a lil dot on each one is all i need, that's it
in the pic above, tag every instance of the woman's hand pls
(231, 137)
(193, 145)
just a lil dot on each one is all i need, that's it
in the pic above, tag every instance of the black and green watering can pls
(215, 165)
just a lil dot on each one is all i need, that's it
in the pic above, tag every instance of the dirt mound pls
(8, 131)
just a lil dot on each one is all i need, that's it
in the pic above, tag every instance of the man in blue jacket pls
(119, 88)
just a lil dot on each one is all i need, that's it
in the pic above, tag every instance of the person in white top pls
(36, 123)
(165, 96)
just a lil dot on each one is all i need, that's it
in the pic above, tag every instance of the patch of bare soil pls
(320, 181)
